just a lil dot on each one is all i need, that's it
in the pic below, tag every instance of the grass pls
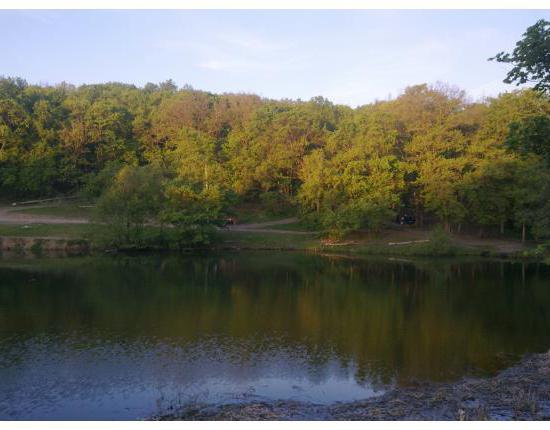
(417, 249)
(254, 240)
(296, 226)
(268, 240)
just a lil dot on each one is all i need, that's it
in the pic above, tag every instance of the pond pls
(127, 337)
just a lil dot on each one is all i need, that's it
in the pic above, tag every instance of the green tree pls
(531, 136)
(192, 214)
(529, 189)
(488, 192)
(134, 199)
(530, 58)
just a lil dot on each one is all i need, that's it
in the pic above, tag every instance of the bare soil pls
(17, 215)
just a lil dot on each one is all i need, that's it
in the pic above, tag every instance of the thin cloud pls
(238, 52)
(235, 51)
(250, 42)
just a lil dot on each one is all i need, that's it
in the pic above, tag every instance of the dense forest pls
(162, 155)
(186, 157)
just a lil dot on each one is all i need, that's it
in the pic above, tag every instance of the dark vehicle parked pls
(406, 219)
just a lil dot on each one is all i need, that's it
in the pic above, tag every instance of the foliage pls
(193, 215)
(132, 201)
(180, 159)
(440, 243)
(530, 58)
(96, 183)
(531, 136)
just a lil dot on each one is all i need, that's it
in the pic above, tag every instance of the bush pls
(541, 252)
(440, 243)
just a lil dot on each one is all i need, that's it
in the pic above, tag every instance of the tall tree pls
(530, 58)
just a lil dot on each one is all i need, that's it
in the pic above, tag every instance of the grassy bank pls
(258, 229)
(392, 241)
(260, 240)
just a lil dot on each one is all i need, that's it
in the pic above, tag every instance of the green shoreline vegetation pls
(166, 167)
(90, 238)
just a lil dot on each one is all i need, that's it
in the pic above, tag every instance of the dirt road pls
(16, 215)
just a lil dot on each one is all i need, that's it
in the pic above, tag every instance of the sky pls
(349, 57)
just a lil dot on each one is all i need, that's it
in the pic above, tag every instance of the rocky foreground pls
(521, 392)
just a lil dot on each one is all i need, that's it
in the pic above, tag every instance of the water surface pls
(127, 337)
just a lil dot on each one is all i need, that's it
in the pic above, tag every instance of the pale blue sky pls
(351, 57)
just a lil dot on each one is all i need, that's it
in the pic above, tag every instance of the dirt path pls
(14, 215)
(17, 215)
(261, 227)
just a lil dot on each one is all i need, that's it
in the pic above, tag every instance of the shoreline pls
(22, 246)
(39, 234)
(520, 392)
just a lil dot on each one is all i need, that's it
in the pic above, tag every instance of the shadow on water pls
(122, 337)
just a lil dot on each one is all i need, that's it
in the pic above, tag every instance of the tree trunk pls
(502, 227)
(127, 231)
(419, 218)
(523, 233)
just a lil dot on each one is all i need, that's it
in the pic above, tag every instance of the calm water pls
(127, 337)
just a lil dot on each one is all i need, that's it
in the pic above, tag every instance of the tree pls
(530, 58)
(160, 155)
(529, 189)
(487, 192)
(192, 214)
(313, 175)
(436, 165)
(193, 157)
(134, 199)
(352, 190)
(532, 135)
(440, 180)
